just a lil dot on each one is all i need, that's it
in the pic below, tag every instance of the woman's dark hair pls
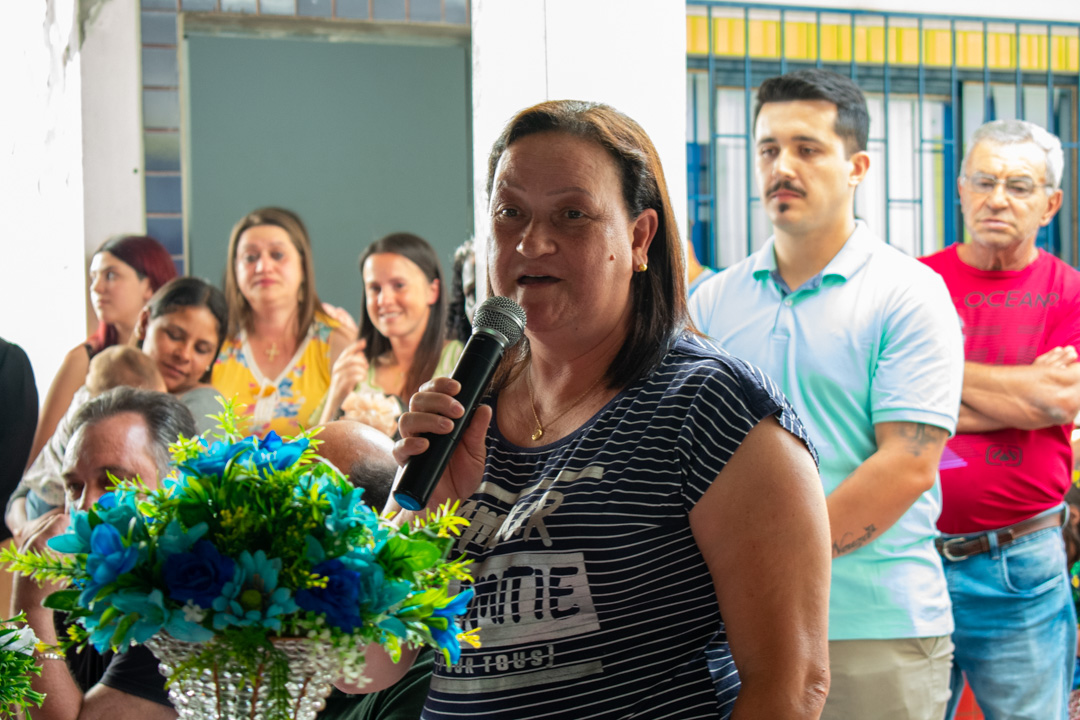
(658, 296)
(852, 118)
(308, 300)
(458, 322)
(188, 292)
(148, 259)
(417, 250)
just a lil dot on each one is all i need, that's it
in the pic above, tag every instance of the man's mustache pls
(785, 185)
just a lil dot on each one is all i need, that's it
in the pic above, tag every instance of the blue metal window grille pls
(929, 80)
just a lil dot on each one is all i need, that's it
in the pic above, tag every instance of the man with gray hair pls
(123, 433)
(1005, 473)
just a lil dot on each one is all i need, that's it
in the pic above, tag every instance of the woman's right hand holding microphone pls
(432, 410)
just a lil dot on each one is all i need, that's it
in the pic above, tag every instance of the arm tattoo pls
(847, 543)
(918, 438)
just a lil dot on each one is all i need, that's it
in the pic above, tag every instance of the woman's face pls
(398, 295)
(562, 243)
(116, 290)
(269, 268)
(183, 343)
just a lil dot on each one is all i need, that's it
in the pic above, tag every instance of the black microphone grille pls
(502, 315)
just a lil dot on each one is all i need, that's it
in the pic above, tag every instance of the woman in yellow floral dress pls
(281, 342)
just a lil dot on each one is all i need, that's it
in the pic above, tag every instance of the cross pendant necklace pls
(272, 351)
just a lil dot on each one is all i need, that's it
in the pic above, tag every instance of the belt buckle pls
(947, 552)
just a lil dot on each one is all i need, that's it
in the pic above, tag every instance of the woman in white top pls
(403, 340)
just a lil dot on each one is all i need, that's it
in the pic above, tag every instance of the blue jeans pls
(1015, 631)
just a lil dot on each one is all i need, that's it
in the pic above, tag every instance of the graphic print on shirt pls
(527, 599)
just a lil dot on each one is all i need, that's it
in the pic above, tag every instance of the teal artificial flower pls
(77, 539)
(394, 626)
(380, 595)
(253, 597)
(175, 539)
(119, 509)
(348, 510)
(151, 618)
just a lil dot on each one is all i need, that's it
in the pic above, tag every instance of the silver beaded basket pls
(222, 693)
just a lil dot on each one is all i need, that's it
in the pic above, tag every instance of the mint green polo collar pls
(852, 256)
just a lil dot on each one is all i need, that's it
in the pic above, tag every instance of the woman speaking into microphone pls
(646, 516)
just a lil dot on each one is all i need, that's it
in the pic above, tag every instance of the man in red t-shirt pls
(1005, 473)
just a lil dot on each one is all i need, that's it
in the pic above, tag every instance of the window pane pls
(163, 194)
(162, 151)
(425, 11)
(314, 8)
(388, 9)
(158, 28)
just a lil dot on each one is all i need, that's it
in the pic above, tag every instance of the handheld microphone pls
(498, 324)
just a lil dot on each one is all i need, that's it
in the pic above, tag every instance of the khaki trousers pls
(902, 679)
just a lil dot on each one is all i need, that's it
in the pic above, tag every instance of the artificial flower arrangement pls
(17, 643)
(247, 542)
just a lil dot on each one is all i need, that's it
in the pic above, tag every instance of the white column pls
(112, 124)
(70, 163)
(42, 273)
(630, 54)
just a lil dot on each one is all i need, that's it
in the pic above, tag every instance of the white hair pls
(1009, 132)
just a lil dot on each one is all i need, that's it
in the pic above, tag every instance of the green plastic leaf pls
(64, 600)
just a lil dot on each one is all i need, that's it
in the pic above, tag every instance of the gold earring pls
(642, 267)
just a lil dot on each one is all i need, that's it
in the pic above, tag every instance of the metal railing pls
(929, 81)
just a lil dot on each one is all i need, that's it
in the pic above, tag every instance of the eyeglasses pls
(1020, 187)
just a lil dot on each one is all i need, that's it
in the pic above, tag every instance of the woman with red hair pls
(124, 272)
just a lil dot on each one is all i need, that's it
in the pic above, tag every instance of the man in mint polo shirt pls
(866, 345)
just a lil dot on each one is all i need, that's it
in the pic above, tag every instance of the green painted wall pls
(361, 139)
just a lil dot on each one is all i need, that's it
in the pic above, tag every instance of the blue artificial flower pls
(108, 559)
(77, 538)
(199, 575)
(339, 600)
(217, 457)
(175, 539)
(252, 597)
(446, 637)
(260, 455)
(272, 452)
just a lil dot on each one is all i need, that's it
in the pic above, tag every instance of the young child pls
(41, 487)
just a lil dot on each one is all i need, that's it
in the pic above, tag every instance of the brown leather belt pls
(963, 547)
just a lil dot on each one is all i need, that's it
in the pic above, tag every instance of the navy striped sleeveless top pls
(592, 598)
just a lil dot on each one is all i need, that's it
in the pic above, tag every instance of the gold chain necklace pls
(539, 431)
